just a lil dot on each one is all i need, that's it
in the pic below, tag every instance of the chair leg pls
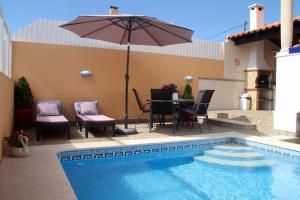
(160, 119)
(197, 121)
(148, 125)
(37, 134)
(139, 118)
(113, 130)
(200, 128)
(86, 132)
(80, 127)
(207, 120)
(68, 132)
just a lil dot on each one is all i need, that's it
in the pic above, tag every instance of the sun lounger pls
(49, 115)
(88, 116)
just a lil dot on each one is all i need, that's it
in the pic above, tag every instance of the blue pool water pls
(221, 172)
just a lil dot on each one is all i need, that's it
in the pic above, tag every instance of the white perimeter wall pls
(5, 48)
(227, 92)
(49, 32)
(287, 92)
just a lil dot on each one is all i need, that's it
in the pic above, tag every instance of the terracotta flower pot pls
(23, 118)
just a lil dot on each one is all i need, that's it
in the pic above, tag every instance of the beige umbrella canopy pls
(129, 29)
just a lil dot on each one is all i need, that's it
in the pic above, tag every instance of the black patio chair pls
(199, 109)
(161, 109)
(143, 107)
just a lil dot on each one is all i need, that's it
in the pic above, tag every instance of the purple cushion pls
(48, 109)
(51, 119)
(89, 108)
(95, 118)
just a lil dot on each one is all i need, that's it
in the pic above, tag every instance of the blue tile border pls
(268, 148)
(135, 150)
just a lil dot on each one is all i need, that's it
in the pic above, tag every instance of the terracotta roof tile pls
(266, 27)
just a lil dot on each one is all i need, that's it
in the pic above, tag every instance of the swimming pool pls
(214, 169)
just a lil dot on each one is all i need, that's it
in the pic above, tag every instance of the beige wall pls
(53, 73)
(6, 108)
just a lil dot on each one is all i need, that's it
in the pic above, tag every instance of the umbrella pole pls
(127, 74)
(126, 87)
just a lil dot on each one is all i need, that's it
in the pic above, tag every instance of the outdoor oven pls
(262, 81)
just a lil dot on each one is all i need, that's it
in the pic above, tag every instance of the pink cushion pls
(95, 118)
(48, 109)
(51, 119)
(89, 108)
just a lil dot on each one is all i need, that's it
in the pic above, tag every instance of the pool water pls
(224, 172)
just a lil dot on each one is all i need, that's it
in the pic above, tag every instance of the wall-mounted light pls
(188, 79)
(86, 73)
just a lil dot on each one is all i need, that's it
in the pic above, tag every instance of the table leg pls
(174, 119)
(150, 120)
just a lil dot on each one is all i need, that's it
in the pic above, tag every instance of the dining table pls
(176, 106)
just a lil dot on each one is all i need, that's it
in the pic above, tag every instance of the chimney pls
(113, 10)
(257, 16)
(257, 49)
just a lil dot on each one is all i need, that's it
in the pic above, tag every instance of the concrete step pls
(233, 148)
(235, 163)
(234, 155)
(235, 124)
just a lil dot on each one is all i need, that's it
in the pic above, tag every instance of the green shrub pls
(187, 92)
(23, 95)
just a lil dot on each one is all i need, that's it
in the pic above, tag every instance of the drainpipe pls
(286, 30)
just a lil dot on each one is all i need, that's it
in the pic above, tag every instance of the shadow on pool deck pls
(49, 137)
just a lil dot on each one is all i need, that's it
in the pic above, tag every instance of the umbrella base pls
(126, 131)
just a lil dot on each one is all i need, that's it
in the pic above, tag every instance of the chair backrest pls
(138, 100)
(202, 101)
(77, 106)
(57, 102)
(161, 108)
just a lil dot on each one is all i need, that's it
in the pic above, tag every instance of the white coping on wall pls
(40, 176)
(49, 32)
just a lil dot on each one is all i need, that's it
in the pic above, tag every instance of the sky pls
(209, 19)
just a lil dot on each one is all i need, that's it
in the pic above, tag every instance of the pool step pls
(233, 148)
(234, 155)
(235, 163)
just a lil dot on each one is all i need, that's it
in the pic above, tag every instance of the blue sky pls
(207, 18)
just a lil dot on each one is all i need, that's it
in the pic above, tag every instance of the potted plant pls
(23, 104)
(18, 144)
(187, 92)
(171, 88)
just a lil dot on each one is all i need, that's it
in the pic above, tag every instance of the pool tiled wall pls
(150, 149)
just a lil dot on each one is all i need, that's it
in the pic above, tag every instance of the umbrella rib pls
(100, 29)
(125, 29)
(120, 20)
(153, 38)
(140, 26)
(166, 30)
(169, 24)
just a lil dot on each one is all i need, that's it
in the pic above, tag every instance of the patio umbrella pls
(128, 30)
